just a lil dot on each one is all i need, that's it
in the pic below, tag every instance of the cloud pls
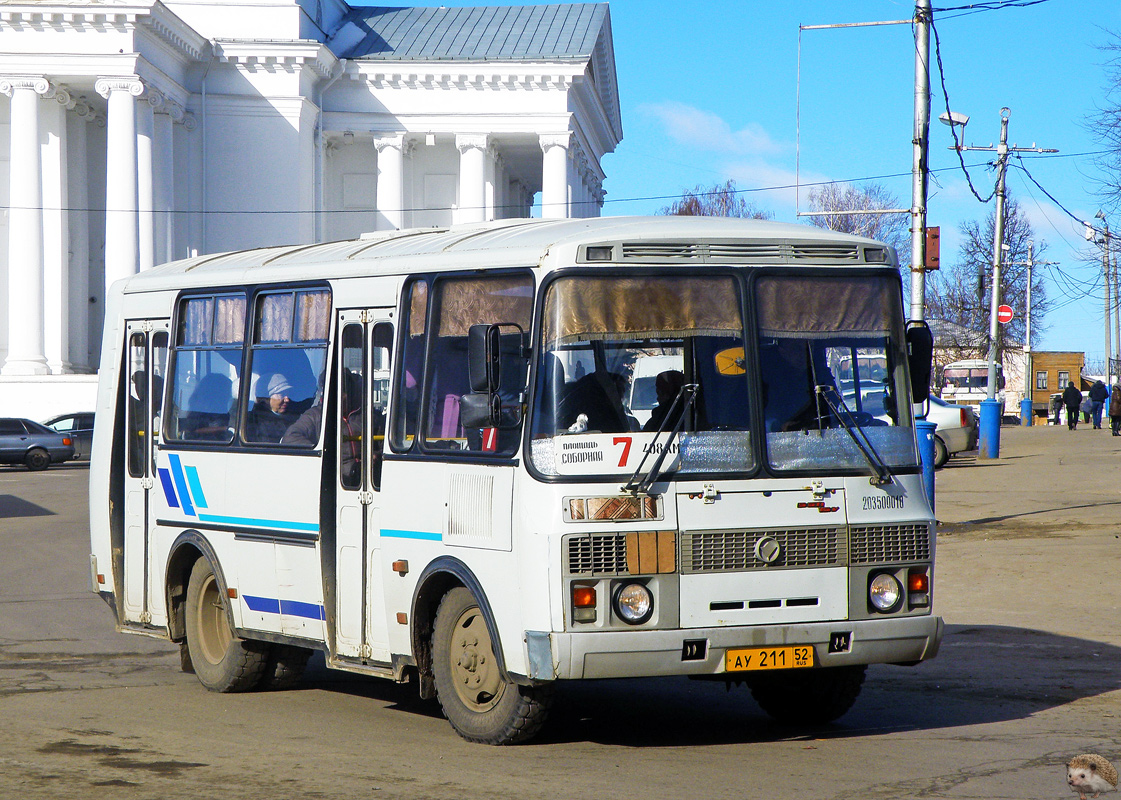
(703, 130)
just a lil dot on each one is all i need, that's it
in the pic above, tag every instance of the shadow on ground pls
(983, 674)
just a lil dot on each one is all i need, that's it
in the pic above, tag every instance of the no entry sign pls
(1003, 314)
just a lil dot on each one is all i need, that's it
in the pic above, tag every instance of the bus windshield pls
(831, 359)
(627, 360)
(617, 357)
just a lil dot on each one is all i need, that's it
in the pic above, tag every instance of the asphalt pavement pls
(1028, 676)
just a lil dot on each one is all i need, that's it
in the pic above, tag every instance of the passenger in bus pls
(598, 396)
(208, 412)
(667, 386)
(304, 432)
(270, 416)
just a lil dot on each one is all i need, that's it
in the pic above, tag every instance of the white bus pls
(375, 449)
(966, 383)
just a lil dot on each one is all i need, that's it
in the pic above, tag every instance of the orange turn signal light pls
(584, 596)
(66, 441)
(918, 582)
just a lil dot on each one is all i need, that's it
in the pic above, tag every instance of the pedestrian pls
(1072, 399)
(1086, 407)
(1098, 394)
(1115, 410)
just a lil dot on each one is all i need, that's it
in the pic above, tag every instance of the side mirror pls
(920, 354)
(480, 410)
(484, 352)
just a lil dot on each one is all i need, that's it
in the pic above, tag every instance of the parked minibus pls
(413, 453)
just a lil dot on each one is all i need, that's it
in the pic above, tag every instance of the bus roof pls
(670, 240)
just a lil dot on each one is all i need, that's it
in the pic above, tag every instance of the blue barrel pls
(988, 445)
(926, 455)
(1025, 412)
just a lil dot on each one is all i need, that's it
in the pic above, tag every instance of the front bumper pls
(632, 654)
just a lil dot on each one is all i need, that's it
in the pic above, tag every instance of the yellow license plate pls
(755, 658)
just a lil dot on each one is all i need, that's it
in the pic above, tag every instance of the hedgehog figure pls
(1091, 774)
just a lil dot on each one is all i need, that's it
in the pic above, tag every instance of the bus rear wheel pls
(222, 662)
(808, 696)
(479, 702)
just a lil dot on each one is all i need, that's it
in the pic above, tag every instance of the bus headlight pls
(634, 603)
(885, 592)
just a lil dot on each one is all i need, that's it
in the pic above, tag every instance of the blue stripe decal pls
(291, 608)
(168, 488)
(294, 608)
(196, 487)
(181, 484)
(265, 605)
(279, 524)
(430, 537)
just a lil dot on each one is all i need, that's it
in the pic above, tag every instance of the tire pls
(284, 668)
(808, 696)
(222, 662)
(481, 705)
(37, 459)
(941, 453)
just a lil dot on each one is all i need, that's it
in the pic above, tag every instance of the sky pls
(715, 90)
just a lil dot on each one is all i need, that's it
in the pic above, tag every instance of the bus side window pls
(382, 348)
(406, 404)
(206, 369)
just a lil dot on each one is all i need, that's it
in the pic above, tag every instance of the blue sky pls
(709, 93)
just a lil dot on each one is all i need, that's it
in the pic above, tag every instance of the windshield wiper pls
(634, 485)
(863, 443)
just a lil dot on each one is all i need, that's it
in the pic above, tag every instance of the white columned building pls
(135, 133)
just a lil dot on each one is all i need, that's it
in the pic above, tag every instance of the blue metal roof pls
(515, 33)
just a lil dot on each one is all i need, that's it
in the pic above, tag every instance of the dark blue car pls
(31, 444)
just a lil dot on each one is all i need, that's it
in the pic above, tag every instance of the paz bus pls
(412, 452)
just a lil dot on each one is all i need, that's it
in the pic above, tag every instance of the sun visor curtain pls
(483, 301)
(806, 307)
(588, 308)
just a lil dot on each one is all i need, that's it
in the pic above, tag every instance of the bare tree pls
(720, 200)
(839, 198)
(959, 297)
(1106, 126)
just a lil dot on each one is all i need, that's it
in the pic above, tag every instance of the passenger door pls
(142, 387)
(362, 382)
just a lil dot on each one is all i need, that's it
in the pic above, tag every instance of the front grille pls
(727, 551)
(597, 554)
(879, 544)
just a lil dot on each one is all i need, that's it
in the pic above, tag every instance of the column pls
(121, 231)
(25, 229)
(56, 231)
(145, 165)
(79, 289)
(472, 176)
(554, 175)
(390, 195)
(490, 173)
(163, 180)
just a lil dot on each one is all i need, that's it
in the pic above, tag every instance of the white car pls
(956, 431)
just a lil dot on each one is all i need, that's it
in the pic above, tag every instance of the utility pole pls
(990, 422)
(1029, 372)
(1105, 243)
(919, 161)
(1029, 376)
(998, 242)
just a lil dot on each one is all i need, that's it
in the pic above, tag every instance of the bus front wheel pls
(481, 704)
(808, 696)
(222, 662)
